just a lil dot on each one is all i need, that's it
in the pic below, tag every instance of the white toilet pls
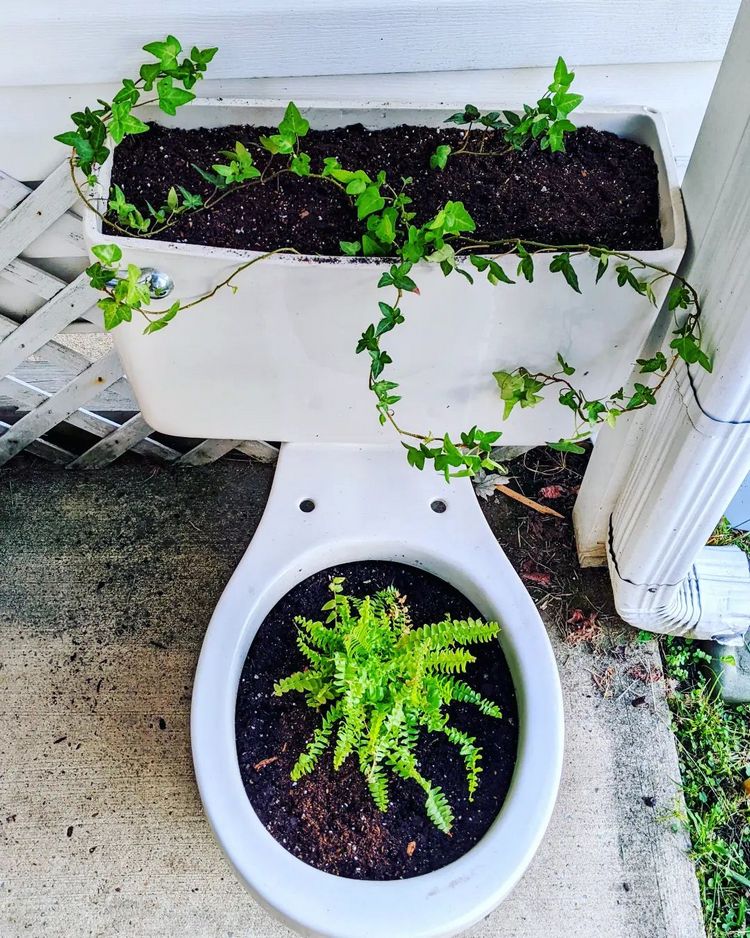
(276, 361)
(368, 504)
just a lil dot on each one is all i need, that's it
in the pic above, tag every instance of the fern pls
(380, 684)
(317, 745)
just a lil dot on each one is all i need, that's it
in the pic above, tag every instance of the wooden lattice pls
(39, 221)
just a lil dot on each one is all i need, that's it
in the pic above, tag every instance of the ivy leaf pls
(567, 369)
(453, 219)
(688, 349)
(561, 262)
(114, 312)
(351, 247)
(566, 446)
(444, 255)
(108, 254)
(123, 122)
(371, 247)
(82, 146)
(562, 78)
(678, 297)
(300, 164)
(214, 178)
(526, 263)
(166, 52)
(602, 266)
(414, 456)
(439, 159)
(149, 72)
(467, 116)
(170, 98)
(369, 201)
(203, 56)
(293, 123)
(657, 363)
(163, 320)
(189, 200)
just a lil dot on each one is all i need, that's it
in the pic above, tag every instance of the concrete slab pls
(109, 580)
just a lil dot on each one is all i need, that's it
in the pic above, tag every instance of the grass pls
(725, 535)
(713, 741)
(714, 748)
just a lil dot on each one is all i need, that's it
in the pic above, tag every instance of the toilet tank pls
(275, 359)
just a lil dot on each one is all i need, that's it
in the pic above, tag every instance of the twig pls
(529, 502)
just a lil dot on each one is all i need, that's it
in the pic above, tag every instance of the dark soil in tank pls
(328, 819)
(603, 190)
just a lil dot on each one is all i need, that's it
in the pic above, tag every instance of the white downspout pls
(656, 487)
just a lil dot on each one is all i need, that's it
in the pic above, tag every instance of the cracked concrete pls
(109, 580)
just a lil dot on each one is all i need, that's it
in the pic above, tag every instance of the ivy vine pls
(388, 230)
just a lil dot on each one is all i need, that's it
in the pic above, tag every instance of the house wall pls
(56, 56)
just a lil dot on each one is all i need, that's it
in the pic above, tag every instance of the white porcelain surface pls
(276, 360)
(371, 506)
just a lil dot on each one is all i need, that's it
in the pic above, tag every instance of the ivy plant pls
(389, 228)
(379, 684)
(546, 122)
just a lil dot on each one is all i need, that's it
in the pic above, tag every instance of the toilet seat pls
(370, 505)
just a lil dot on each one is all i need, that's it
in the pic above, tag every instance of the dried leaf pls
(264, 762)
(485, 483)
(586, 628)
(645, 675)
(537, 577)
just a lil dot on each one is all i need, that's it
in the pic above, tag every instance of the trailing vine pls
(388, 230)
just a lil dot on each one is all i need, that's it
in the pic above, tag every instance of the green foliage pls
(518, 387)
(130, 217)
(714, 749)
(521, 386)
(117, 120)
(239, 169)
(388, 229)
(382, 683)
(293, 126)
(125, 289)
(546, 122)
(439, 159)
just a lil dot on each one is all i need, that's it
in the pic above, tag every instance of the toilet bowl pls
(333, 504)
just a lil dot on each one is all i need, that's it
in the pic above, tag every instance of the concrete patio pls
(109, 580)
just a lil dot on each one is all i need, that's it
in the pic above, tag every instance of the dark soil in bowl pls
(328, 819)
(603, 190)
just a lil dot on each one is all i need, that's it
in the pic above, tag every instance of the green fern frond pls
(316, 746)
(386, 683)
(449, 660)
(350, 733)
(438, 809)
(471, 754)
(454, 632)
(377, 782)
(326, 639)
(460, 690)
(301, 681)
(315, 658)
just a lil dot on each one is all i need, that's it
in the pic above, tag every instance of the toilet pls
(273, 358)
(336, 503)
